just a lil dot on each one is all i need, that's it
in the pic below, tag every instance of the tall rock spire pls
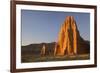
(68, 38)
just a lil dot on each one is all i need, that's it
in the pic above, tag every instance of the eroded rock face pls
(68, 38)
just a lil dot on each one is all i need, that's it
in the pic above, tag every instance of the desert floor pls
(32, 58)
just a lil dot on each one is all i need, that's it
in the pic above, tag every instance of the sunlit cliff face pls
(67, 38)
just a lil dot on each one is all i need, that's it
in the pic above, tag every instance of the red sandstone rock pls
(68, 38)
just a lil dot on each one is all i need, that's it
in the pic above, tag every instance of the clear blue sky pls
(43, 26)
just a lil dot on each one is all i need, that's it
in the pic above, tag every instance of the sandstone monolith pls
(68, 35)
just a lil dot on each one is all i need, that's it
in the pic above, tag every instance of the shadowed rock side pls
(69, 40)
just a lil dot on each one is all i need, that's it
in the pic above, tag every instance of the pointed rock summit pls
(69, 39)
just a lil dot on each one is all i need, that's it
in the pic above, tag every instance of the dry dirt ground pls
(31, 58)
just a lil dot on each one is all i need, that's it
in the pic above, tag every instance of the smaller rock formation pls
(43, 50)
